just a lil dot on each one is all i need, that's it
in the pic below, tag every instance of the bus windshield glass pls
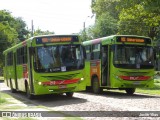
(132, 57)
(58, 58)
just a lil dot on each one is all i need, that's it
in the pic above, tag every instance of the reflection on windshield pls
(58, 58)
(133, 56)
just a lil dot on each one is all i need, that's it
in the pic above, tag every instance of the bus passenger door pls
(105, 65)
(15, 69)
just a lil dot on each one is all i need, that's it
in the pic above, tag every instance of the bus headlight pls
(39, 83)
(82, 79)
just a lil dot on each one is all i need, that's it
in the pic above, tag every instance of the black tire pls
(95, 86)
(88, 89)
(130, 91)
(28, 93)
(12, 89)
(69, 94)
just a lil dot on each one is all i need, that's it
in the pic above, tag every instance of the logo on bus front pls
(134, 78)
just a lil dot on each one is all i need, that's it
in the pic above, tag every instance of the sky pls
(59, 16)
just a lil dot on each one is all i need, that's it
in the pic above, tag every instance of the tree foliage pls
(40, 32)
(20, 27)
(105, 25)
(7, 33)
(138, 17)
(106, 18)
(15, 23)
(100, 7)
(12, 31)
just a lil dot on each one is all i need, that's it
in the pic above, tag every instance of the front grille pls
(61, 77)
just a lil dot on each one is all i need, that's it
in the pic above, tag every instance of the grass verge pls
(152, 91)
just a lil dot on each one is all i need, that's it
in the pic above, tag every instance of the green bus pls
(123, 62)
(46, 64)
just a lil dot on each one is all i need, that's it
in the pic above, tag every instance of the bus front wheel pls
(95, 86)
(69, 94)
(130, 91)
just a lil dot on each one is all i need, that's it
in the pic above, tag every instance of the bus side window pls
(22, 55)
(10, 59)
(25, 55)
(88, 52)
(96, 51)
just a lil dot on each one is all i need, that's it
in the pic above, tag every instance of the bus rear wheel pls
(28, 93)
(130, 91)
(95, 86)
(69, 94)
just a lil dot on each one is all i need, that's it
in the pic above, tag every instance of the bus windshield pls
(131, 57)
(58, 58)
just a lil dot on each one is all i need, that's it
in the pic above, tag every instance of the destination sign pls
(133, 40)
(55, 39)
(137, 40)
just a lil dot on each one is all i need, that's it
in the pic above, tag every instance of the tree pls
(139, 17)
(16, 23)
(99, 7)
(106, 19)
(105, 25)
(40, 32)
(20, 27)
(8, 35)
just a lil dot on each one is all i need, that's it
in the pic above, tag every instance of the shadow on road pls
(1, 81)
(52, 100)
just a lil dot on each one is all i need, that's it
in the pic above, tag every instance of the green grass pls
(3, 97)
(2, 100)
(152, 91)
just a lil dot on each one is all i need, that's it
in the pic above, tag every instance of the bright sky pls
(60, 16)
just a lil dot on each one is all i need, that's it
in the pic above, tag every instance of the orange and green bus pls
(123, 62)
(45, 65)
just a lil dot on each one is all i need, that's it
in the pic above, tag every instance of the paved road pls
(88, 102)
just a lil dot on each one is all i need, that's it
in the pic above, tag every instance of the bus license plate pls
(62, 86)
(136, 83)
